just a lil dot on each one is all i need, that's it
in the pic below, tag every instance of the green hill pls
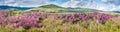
(50, 6)
(58, 9)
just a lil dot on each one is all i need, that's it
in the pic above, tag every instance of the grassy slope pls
(60, 26)
(54, 8)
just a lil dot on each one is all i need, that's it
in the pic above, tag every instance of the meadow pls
(53, 18)
(37, 21)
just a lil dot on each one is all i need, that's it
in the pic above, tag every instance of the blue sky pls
(106, 5)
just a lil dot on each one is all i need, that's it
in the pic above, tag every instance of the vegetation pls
(52, 18)
(32, 21)
(57, 9)
(50, 6)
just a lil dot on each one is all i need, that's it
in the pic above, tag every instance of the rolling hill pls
(57, 9)
(50, 6)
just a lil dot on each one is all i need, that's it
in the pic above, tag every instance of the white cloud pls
(2, 2)
(91, 4)
(104, 0)
(71, 4)
(107, 5)
(26, 3)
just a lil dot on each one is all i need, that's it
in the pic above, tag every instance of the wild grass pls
(51, 24)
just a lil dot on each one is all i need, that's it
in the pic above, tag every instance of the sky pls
(105, 5)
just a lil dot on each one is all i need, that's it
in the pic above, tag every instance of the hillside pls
(50, 6)
(57, 9)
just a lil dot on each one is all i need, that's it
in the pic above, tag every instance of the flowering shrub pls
(4, 13)
(29, 20)
(85, 17)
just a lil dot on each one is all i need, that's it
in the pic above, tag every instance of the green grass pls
(51, 25)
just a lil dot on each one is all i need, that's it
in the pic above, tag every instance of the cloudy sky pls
(106, 5)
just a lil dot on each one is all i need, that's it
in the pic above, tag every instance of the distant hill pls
(58, 9)
(11, 7)
(116, 11)
(50, 6)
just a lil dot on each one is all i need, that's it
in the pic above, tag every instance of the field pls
(58, 19)
(36, 21)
